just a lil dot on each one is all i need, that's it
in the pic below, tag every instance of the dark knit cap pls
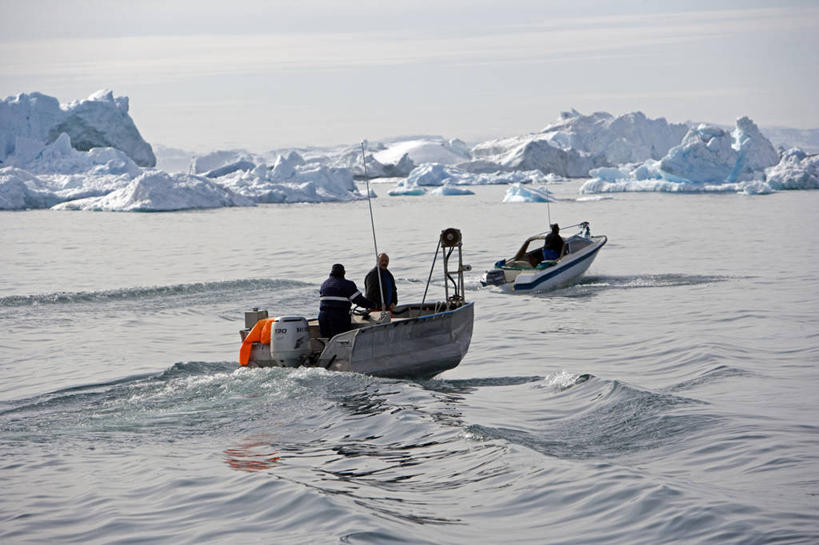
(337, 270)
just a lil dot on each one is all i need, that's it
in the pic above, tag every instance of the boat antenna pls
(548, 209)
(372, 222)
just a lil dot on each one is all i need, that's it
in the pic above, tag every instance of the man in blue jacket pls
(553, 244)
(337, 295)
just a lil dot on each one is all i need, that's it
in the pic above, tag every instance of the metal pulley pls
(450, 238)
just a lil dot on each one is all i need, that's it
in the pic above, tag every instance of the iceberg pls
(709, 159)
(292, 180)
(208, 162)
(424, 150)
(449, 190)
(173, 159)
(628, 138)
(100, 121)
(433, 174)
(436, 175)
(60, 157)
(351, 159)
(577, 143)
(57, 172)
(533, 152)
(157, 191)
(401, 191)
(519, 193)
(795, 170)
(21, 190)
(242, 164)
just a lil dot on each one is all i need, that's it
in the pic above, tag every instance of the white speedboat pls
(417, 340)
(527, 272)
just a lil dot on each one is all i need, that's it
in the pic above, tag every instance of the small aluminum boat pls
(528, 272)
(417, 340)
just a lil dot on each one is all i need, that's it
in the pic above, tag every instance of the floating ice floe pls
(520, 193)
(402, 191)
(449, 190)
(157, 191)
(435, 175)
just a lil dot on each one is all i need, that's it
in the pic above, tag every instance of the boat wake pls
(592, 284)
(154, 292)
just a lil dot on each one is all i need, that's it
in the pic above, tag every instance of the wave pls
(716, 374)
(620, 420)
(188, 398)
(153, 292)
(559, 381)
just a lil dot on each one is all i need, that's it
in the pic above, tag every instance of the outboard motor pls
(495, 277)
(289, 341)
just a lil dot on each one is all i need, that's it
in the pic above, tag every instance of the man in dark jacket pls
(387, 285)
(553, 245)
(337, 295)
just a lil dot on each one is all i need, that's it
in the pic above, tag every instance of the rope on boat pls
(431, 269)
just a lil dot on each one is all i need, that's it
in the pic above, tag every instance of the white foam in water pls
(559, 381)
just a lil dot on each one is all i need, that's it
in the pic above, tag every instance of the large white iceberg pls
(100, 121)
(532, 152)
(578, 143)
(157, 191)
(709, 159)
(60, 157)
(424, 150)
(627, 138)
(57, 172)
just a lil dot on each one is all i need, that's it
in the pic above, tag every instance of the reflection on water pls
(251, 456)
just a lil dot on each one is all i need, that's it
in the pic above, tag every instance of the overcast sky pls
(266, 74)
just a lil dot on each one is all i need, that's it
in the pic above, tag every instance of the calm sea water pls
(668, 397)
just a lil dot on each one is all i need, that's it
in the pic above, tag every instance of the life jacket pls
(260, 333)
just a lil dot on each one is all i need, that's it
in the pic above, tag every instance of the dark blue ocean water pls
(668, 397)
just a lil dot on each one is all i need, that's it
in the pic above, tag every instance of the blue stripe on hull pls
(557, 271)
